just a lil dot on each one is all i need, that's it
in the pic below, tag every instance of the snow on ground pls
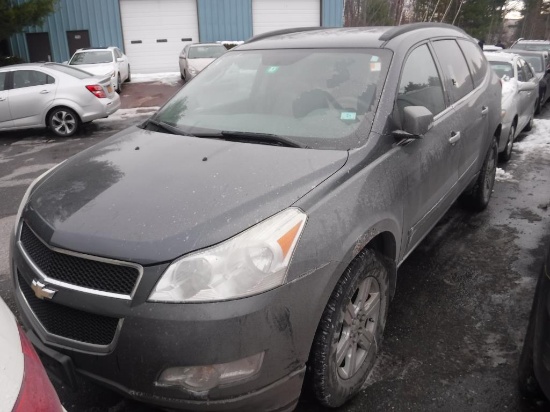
(535, 141)
(123, 114)
(503, 176)
(170, 78)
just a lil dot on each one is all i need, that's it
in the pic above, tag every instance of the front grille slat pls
(70, 323)
(79, 271)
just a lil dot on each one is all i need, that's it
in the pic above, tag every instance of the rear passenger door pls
(471, 109)
(433, 160)
(33, 92)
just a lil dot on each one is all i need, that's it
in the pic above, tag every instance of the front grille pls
(79, 271)
(68, 322)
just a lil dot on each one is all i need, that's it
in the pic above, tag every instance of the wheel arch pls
(59, 106)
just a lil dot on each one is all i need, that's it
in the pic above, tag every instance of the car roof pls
(526, 52)
(533, 41)
(376, 36)
(205, 44)
(501, 57)
(23, 65)
(87, 49)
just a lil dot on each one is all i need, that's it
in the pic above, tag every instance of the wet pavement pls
(457, 321)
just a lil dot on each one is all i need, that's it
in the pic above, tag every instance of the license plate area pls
(110, 89)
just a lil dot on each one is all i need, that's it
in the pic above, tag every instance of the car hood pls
(151, 197)
(97, 69)
(199, 64)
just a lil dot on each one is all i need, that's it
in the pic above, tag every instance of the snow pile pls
(124, 114)
(503, 176)
(169, 78)
(537, 140)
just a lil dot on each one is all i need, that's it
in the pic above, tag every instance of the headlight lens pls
(28, 193)
(247, 264)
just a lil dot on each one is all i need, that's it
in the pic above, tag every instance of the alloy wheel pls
(63, 123)
(357, 335)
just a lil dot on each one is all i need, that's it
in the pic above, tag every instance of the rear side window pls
(420, 83)
(521, 73)
(453, 62)
(475, 59)
(527, 70)
(30, 78)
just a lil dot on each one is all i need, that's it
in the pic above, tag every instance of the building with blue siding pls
(153, 32)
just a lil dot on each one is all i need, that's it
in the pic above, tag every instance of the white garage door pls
(153, 31)
(268, 15)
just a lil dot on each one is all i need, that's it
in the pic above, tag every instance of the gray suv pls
(249, 234)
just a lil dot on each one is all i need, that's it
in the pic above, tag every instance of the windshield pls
(317, 97)
(92, 57)
(502, 69)
(206, 52)
(532, 46)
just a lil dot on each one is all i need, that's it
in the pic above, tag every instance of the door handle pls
(455, 137)
(484, 110)
(44, 92)
(2, 99)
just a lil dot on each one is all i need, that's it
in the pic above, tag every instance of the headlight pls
(28, 193)
(192, 70)
(252, 262)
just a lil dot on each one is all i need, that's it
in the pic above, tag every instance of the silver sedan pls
(53, 95)
(195, 57)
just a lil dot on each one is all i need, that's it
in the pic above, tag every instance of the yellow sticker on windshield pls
(272, 69)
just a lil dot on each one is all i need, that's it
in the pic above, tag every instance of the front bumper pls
(154, 336)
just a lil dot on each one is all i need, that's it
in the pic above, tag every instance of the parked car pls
(53, 95)
(534, 45)
(283, 188)
(25, 384)
(104, 61)
(520, 97)
(534, 368)
(195, 57)
(540, 63)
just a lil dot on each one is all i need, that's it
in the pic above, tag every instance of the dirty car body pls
(290, 165)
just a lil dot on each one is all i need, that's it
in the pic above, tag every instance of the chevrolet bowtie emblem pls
(41, 291)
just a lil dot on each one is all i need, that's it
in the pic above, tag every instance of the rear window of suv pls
(532, 46)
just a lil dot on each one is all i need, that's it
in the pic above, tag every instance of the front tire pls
(478, 197)
(63, 122)
(507, 153)
(118, 84)
(350, 331)
(129, 78)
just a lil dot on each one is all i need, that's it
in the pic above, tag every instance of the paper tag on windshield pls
(375, 66)
(374, 59)
(272, 69)
(348, 116)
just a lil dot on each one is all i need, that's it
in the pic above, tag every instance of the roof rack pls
(280, 32)
(405, 28)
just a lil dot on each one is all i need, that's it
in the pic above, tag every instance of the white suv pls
(104, 61)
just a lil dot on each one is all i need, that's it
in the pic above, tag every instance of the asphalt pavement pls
(457, 321)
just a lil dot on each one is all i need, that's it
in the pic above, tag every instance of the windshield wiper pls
(166, 127)
(264, 138)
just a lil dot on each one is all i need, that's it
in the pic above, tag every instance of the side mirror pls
(526, 86)
(119, 59)
(417, 121)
